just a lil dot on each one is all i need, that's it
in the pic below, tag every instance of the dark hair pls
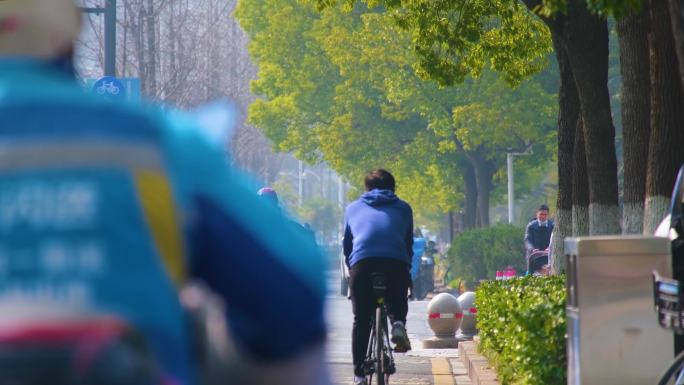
(543, 208)
(380, 179)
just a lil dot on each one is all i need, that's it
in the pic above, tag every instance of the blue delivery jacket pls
(418, 249)
(113, 206)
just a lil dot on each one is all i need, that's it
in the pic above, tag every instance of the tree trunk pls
(667, 135)
(586, 41)
(636, 108)
(484, 171)
(580, 191)
(151, 29)
(677, 19)
(568, 114)
(470, 200)
(122, 55)
(138, 32)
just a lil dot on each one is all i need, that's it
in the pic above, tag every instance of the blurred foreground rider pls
(112, 208)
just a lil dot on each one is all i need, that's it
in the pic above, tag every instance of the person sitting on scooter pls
(418, 249)
(538, 233)
(431, 250)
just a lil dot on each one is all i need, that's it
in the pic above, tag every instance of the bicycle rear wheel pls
(380, 369)
(675, 368)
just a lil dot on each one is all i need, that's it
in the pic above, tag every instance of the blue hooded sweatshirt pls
(378, 224)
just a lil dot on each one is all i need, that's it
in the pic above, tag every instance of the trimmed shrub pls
(477, 254)
(522, 329)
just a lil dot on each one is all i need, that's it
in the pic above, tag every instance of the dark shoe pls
(400, 338)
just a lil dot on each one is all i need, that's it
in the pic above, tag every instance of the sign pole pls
(109, 12)
(110, 38)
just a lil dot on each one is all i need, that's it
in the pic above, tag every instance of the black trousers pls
(363, 300)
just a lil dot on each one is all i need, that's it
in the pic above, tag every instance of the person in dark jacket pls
(538, 232)
(378, 237)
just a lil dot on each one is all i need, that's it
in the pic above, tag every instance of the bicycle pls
(379, 360)
(669, 303)
(668, 295)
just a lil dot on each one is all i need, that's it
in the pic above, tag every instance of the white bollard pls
(444, 318)
(469, 323)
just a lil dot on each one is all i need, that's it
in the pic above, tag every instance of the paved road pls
(417, 367)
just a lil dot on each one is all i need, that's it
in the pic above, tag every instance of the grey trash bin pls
(613, 333)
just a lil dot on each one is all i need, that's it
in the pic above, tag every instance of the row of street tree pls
(341, 87)
(438, 90)
(447, 34)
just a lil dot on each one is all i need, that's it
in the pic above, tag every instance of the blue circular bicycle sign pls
(110, 88)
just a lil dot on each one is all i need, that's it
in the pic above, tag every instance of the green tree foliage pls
(456, 38)
(615, 8)
(448, 34)
(295, 85)
(342, 87)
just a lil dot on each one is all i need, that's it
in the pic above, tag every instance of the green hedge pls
(477, 254)
(522, 329)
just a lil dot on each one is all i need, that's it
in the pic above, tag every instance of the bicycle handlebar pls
(676, 209)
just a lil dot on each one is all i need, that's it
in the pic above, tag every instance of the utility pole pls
(109, 12)
(340, 203)
(511, 193)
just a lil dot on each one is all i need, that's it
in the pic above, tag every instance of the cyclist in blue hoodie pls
(378, 237)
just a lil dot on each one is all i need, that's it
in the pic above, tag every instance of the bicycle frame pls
(668, 293)
(379, 359)
(674, 371)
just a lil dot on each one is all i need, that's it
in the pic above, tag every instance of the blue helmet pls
(268, 193)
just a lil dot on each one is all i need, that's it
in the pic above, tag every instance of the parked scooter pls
(424, 282)
(42, 342)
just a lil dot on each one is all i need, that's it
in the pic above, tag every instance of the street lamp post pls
(511, 184)
(340, 192)
(341, 186)
(509, 172)
(109, 12)
(311, 188)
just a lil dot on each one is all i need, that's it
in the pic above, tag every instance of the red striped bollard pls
(444, 318)
(468, 327)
